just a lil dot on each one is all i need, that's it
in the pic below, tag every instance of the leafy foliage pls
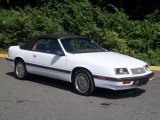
(114, 31)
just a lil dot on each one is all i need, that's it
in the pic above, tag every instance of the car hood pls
(112, 59)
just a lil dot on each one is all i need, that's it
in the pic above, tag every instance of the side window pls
(47, 45)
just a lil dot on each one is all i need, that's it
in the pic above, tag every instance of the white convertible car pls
(80, 61)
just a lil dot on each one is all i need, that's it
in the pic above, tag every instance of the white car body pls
(100, 64)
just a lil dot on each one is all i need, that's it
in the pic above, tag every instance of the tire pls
(20, 70)
(83, 82)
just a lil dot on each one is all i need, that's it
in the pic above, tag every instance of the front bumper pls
(118, 83)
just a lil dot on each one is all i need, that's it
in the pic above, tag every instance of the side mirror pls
(59, 52)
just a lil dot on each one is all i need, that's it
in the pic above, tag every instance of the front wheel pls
(83, 83)
(20, 70)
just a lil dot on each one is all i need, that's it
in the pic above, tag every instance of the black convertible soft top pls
(33, 40)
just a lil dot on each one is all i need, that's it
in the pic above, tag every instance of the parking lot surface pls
(41, 98)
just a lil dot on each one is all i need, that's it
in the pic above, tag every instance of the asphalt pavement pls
(42, 98)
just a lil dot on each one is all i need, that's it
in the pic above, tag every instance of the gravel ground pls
(41, 98)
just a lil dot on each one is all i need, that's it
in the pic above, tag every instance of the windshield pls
(80, 45)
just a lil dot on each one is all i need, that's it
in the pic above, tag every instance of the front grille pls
(136, 71)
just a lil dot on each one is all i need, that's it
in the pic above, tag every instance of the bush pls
(18, 25)
(113, 31)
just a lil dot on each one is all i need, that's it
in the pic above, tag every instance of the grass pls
(2, 51)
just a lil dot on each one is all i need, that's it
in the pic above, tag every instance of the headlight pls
(121, 71)
(146, 67)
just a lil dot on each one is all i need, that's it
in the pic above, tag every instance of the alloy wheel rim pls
(20, 70)
(82, 83)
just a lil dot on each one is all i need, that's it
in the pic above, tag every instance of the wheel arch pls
(80, 68)
(16, 59)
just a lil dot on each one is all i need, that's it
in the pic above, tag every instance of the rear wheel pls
(20, 70)
(83, 82)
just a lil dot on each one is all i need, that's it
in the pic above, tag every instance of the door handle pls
(34, 56)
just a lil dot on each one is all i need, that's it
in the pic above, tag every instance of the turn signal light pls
(126, 82)
(102, 77)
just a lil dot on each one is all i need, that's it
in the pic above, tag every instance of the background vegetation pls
(112, 27)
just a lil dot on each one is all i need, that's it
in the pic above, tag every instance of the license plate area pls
(141, 82)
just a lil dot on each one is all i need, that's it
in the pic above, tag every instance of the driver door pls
(47, 60)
